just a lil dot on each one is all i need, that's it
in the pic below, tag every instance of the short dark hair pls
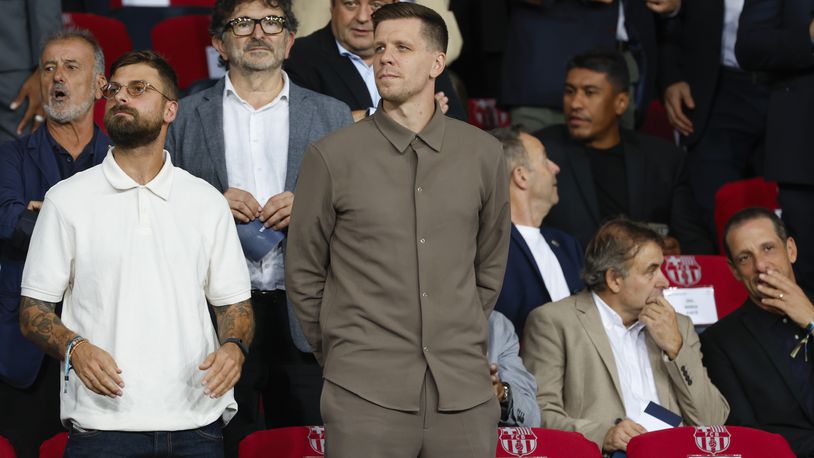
(432, 24)
(613, 246)
(224, 8)
(154, 60)
(72, 33)
(610, 62)
(749, 214)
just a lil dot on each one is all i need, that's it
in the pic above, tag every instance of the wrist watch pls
(505, 397)
(239, 343)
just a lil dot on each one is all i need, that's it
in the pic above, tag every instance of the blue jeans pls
(204, 442)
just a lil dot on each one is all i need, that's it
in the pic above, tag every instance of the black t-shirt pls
(610, 180)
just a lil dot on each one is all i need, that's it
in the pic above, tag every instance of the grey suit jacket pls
(566, 348)
(504, 350)
(195, 142)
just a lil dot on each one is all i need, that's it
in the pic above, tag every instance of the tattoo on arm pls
(40, 324)
(236, 320)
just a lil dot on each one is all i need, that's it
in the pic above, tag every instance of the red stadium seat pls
(485, 114)
(737, 195)
(111, 33)
(712, 441)
(656, 123)
(696, 271)
(6, 450)
(54, 447)
(183, 41)
(293, 442)
(539, 442)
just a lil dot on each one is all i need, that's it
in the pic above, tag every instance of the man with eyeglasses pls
(246, 136)
(137, 249)
(72, 71)
(338, 61)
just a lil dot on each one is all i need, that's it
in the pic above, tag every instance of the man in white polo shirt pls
(135, 248)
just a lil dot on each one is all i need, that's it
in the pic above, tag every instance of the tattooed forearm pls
(236, 320)
(40, 324)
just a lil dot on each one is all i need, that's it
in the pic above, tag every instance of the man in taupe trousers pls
(396, 252)
(602, 356)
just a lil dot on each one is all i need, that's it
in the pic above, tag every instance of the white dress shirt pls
(732, 14)
(256, 142)
(632, 361)
(621, 31)
(366, 72)
(547, 262)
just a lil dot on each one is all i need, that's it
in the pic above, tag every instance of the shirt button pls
(785, 320)
(426, 349)
(796, 337)
(419, 189)
(423, 241)
(424, 294)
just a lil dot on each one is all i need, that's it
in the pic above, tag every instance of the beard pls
(246, 62)
(129, 133)
(63, 112)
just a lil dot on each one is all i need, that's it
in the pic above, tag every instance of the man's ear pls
(438, 65)
(613, 281)
(621, 102)
(519, 178)
(100, 83)
(791, 249)
(217, 43)
(170, 110)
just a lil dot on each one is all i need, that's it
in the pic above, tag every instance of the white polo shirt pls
(136, 265)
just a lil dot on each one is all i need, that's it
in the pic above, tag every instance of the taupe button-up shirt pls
(395, 257)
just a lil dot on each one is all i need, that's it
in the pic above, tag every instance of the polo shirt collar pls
(160, 185)
(401, 137)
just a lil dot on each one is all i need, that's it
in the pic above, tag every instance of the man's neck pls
(526, 213)
(611, 139)
(628, 318)
(413, 114)
(74, 135)
(143, 163)
(257, 88)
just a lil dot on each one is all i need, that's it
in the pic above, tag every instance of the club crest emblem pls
(316, 439)
(517, 442)
(712, 439)
(682, 270)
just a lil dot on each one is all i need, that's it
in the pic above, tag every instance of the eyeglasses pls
(134, 88)
(244, 26)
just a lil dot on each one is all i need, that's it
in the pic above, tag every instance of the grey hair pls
(87, 37)
(514, 153)
(613, 247)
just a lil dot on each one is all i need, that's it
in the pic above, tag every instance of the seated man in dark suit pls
(758, 356)
(337, 60)
(544, 263)
(607, 171)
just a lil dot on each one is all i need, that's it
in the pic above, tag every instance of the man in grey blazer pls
(603, 356)
(246, 136)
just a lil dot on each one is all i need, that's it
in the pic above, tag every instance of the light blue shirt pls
(366, 72)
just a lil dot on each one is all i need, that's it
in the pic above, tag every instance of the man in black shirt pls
(759, 356)
(607, 171)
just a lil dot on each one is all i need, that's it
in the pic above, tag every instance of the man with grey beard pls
(72, 73)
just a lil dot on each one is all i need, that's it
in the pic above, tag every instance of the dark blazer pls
(747, 365)
(543, 38)
(28, 168)
(691, 52)
(657, 188)
(195, 142)
(315, 63)
(773, 36)
(523, 287)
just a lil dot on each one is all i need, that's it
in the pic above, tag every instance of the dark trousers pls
(731, 145)
(797, 203)
(204, 442)
(30, 416)
(288, 381)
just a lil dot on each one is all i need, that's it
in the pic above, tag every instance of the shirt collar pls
(90, 147)
(230, 91)
(346, 53)
(401, 137)
(611, 319)
(160, 185)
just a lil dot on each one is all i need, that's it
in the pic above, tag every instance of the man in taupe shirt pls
(396, 252)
